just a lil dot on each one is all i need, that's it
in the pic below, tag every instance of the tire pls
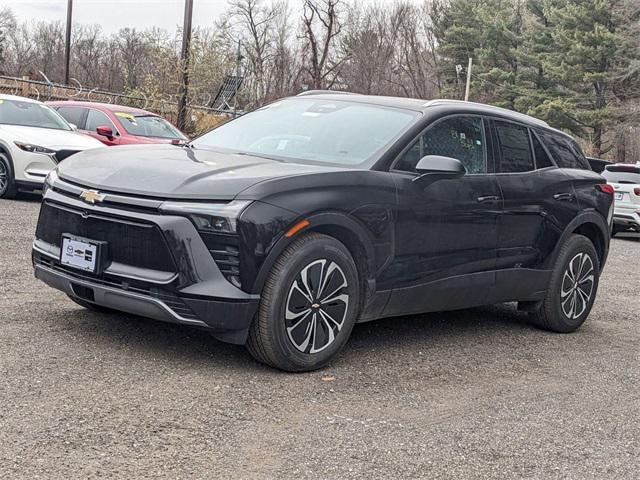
(566, 305)
(91, 306)
(8, 188)
(293, 329)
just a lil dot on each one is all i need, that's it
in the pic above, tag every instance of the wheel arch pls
(343, 228)
(5, 150)
(593, 226)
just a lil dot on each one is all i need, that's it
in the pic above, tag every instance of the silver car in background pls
(625, 180)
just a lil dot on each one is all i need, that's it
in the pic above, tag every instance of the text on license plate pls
(78, 254)
(618, 196)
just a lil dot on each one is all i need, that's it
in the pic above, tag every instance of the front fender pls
(263, 243)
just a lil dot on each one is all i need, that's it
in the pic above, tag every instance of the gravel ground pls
(471, 394)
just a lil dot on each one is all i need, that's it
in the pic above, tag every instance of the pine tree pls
(585, 56)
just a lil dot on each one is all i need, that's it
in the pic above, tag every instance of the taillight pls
(605, 188)
(637, 191)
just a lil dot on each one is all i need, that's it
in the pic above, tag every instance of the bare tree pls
(321, 27)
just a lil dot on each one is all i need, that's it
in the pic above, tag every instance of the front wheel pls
(309, 305)
(572, 289)
(8, 187)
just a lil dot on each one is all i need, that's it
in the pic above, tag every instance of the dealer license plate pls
(619, 196)
(79, 254)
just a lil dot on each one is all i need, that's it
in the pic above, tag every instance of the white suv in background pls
(33, 139)
(625, 180)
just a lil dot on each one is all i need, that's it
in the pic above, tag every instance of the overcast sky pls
(116, 14)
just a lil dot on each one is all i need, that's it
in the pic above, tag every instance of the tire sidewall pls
(318, 248)
(577, 244)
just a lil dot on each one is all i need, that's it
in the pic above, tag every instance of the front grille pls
(129, 242)
(225, 252)
(62, 154)
(139, 287)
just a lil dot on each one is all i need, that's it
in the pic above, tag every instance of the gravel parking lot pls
(472, 394)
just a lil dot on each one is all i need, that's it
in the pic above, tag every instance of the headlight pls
(49, 181)
(28, 147)
(208, 217)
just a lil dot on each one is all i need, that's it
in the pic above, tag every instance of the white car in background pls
(625, 180)
(33, 140)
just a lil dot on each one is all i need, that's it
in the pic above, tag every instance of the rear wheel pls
(309, 305)
(572, 289)
(8, 187)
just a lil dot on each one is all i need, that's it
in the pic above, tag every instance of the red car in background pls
(117, 124)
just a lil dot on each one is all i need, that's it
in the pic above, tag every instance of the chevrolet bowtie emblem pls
(92, 196)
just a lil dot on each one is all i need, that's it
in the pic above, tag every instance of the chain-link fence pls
(199, 118)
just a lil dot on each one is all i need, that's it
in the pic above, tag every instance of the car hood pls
(50, 138)
(167, 171)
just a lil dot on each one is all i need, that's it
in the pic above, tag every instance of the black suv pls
(283, 228)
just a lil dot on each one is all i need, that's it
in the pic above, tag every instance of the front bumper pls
(628, 218)
(187, 287)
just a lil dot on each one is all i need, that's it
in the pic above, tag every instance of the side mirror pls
(73, 126)
(434, 167)
(105, 131)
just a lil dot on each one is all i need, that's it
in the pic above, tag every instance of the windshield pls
(312, 131)
(622, 177)
(30, 114)
(149, 126)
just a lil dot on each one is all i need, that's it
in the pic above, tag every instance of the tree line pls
(574, 63)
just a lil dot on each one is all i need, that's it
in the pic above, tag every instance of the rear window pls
(618, 175)
(515, 148)
(72, 115)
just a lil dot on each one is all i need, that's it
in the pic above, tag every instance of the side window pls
(542, 158)
(564, 151)
(457, 137)
(72, 115)
(97, 119)
(514, 147)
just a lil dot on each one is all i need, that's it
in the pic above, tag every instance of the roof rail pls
(513, 113)
(321, 92)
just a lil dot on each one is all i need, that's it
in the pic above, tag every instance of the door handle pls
(566, 197)
(488, 198)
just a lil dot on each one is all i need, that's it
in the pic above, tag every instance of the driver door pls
(446, 232)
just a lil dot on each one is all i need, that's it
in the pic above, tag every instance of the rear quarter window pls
(566, 152)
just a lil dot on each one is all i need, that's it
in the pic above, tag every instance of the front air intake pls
(224, 250)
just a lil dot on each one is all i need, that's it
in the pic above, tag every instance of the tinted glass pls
(72, 115)
(149, 126)
(622, 177)
(30, 114)
(308, 130)
(457, 137)
(97, 119)
(514, 146)
(564, 151)
(542, 158)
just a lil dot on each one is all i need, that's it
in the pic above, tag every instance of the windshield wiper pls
(247, 154)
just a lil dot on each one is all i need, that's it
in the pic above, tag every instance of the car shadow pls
(190, 345)
(628, 236)
(25, 197)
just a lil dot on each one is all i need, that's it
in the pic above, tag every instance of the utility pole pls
(67, 44)
(186, 43)
(466, 90)
(239, 58)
